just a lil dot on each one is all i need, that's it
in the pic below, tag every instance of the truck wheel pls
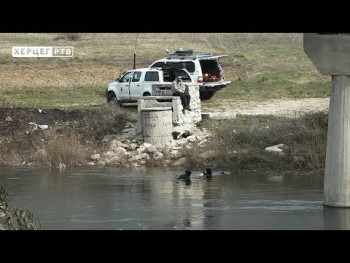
(206, 94)
(112, 99)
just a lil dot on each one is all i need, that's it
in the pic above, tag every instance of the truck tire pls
(206, 94)
(112, 99)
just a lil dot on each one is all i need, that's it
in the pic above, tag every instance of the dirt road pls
(272, 107)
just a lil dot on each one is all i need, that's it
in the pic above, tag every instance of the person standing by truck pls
(179, 90)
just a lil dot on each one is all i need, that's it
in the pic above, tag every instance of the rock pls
(91, 163)
(188, 147)
(9, 118)
(132, 146)
(119, 150)
(115, 143)
(202, 143)
(192, 138)
(147, 148)
(114, 160)
(158, 156)
(138, 157)
(109, 154)
(95, 157)
(122, 153)
(174, 153)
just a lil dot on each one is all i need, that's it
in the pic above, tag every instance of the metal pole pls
(134, 64)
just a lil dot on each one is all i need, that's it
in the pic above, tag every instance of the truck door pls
(123, 87)
(135, 86)
(151, 77)
(211, 67)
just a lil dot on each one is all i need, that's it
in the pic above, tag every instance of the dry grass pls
(64, 150)
(15, 78)
(240, 143)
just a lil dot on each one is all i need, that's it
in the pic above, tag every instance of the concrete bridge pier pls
(337, 170)
(330, 53)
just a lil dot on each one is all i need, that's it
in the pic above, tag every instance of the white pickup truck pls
(204, 69)
(134, 84)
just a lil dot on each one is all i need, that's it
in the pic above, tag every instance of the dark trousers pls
(185, 98)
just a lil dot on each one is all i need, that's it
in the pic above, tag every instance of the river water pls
(115, 199)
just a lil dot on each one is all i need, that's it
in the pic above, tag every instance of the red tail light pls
(200, 79)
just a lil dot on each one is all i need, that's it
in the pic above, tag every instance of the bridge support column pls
(330, 53)
(337, 170)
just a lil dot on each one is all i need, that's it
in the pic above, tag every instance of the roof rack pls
(188, 54)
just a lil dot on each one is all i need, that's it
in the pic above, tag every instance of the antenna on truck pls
(134, 65)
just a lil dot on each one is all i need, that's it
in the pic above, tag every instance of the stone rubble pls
(128, 149)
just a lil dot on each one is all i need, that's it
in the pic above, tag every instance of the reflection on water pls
(108, 198)
(336, 218)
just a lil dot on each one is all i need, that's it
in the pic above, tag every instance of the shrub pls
(68, 36)
(64, 150)
(104, 120)
(20, 219)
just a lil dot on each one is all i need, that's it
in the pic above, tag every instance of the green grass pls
(277, 85)
(78, 98)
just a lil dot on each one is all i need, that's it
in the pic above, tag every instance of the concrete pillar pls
(330, 53)
(337, 170)
(190, 118)
(157, 125)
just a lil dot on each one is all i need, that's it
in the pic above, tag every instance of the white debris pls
(276, 148)
(36, 126)
(43, 127)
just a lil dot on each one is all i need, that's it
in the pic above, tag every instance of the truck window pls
(158, 65)
(137, 76)
(152, 76)
(189, 65)
(126, 77)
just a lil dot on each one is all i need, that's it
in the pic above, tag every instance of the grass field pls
(261, 66)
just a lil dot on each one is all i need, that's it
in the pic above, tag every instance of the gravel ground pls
(272, 107)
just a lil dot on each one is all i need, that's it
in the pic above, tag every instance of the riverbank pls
(53, 111)
(106, 136)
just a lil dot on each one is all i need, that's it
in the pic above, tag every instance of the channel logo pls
(43, 52)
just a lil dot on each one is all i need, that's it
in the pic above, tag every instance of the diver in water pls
(185, 177)
(207, 174)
